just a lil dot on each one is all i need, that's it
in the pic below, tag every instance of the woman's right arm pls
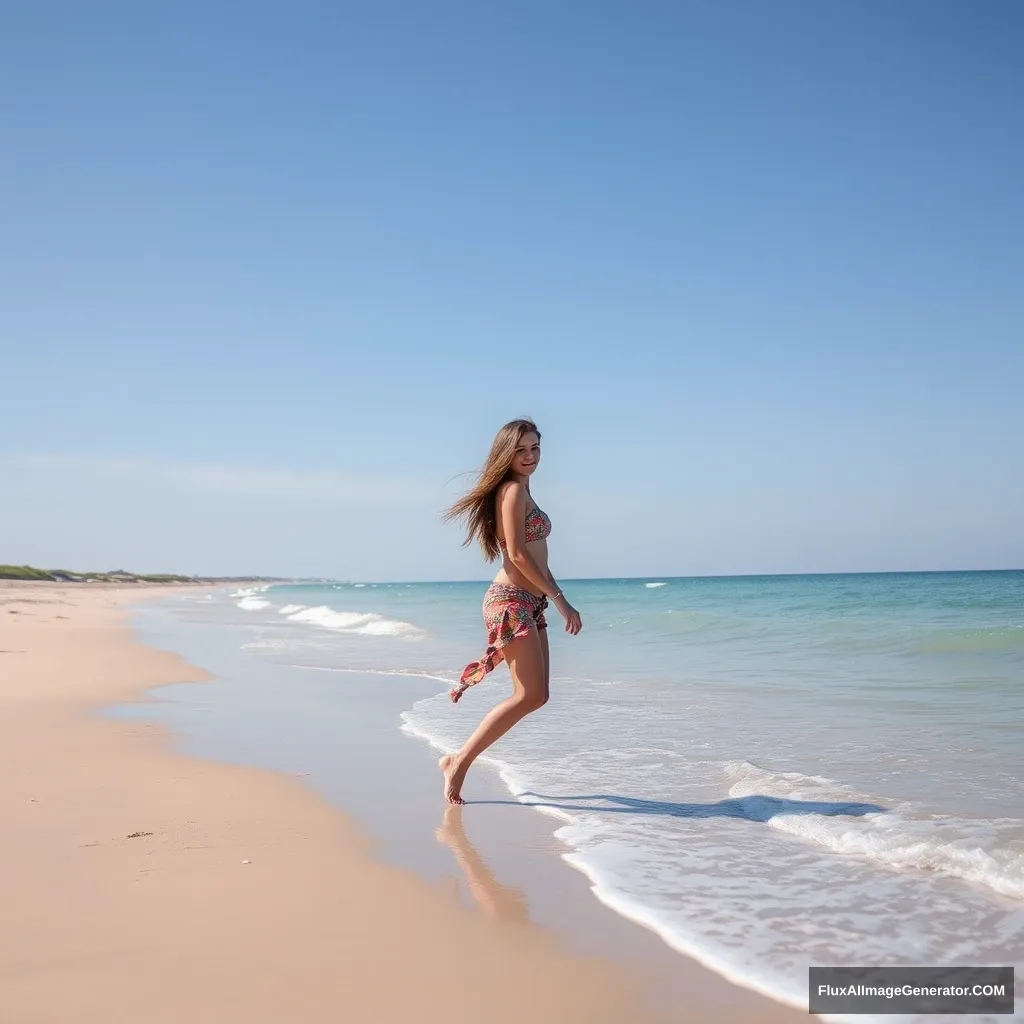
(573, 622)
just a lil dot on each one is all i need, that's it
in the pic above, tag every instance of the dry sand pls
(145, 886)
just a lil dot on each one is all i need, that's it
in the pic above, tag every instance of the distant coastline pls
(31, 574)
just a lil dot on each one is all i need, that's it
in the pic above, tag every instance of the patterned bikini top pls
(538, 526)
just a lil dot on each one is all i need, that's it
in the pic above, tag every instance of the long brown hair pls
(479, 508)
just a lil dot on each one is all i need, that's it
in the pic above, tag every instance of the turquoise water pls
(770, 772)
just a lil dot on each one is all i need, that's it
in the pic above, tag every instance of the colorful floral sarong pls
(509, 612)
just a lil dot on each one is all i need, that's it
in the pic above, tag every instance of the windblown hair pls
(479, 508)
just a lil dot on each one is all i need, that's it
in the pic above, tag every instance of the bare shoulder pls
(512, 492)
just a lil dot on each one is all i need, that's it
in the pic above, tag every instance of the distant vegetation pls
(29, 572)
(24, 572)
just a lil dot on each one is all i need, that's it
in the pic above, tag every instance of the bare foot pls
(452, 779)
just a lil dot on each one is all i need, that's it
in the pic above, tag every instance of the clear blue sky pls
(271, 274)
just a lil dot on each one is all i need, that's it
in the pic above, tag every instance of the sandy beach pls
(146, 885)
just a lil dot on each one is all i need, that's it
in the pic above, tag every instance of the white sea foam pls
(253, 604)
(987, 852)
(366, 623)
(651, 586)
(291, 609)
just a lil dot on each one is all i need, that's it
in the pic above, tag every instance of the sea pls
(768, 772)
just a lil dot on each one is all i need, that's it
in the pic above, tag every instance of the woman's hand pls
(573, 622)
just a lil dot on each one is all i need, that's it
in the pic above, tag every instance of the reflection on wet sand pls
(494, 899)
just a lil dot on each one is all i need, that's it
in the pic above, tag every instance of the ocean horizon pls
(290, 580)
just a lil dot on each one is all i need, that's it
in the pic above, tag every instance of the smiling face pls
(527, 455)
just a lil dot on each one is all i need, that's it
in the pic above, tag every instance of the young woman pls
(501, 514)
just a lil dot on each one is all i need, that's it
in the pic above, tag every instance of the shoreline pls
(207, 891)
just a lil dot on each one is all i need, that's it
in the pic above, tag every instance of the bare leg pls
(526, 662)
